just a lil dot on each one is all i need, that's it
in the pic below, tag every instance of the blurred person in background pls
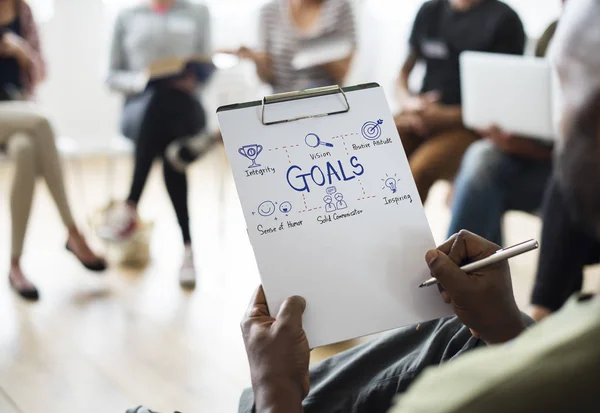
(500, 173)
(430, 124)
(288, 27)
(571, 226)
(29, 140)
(159, 114)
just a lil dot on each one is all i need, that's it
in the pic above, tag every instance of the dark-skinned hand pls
(484, 300)
(278, 353)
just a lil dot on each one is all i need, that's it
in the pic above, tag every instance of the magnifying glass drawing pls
(313, 140)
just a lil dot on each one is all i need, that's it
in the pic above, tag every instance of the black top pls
(10, 72)
(440, 34)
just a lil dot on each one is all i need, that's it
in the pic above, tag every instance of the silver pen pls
(500, 255)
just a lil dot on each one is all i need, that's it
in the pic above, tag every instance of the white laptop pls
(513, 92)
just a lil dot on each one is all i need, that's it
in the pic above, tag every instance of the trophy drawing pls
(251, 152)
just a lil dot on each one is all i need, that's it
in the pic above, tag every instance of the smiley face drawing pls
(266, 208)
(285, 207)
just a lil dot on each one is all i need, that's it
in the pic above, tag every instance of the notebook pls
(332, 210)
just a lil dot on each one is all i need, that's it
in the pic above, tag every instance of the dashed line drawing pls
(362, 187)
(306, 208)
(288, 156)
(344, 135)
(346, 147)
(283, 147)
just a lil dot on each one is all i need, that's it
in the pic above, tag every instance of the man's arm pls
(510, 36)
(414, 44)
(406, 70)
(277, 398)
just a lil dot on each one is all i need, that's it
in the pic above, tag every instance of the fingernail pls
(431, 256)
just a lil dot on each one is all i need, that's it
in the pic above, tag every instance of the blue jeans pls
(491, 182)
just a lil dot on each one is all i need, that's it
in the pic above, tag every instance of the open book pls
(173, 67)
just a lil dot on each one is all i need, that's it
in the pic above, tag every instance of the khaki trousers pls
(30, 143)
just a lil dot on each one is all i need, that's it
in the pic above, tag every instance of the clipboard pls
(332, 211)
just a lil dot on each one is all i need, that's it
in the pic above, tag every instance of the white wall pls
(76, 33)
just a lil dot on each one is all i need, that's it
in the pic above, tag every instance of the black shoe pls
(98, 266)
(29, 294)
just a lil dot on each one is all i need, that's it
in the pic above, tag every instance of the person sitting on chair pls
(158, 116)
(430, 125)
(289, 26)
(30, 141)
(500, 173)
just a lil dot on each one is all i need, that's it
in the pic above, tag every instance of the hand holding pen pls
(500, 255)
(483, 299)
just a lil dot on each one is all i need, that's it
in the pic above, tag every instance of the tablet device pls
(512, 92)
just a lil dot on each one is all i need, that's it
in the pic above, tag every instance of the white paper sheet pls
(321, 53)
(351, 237)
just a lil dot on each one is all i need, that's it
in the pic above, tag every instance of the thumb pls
(444, 269)
(291, 311)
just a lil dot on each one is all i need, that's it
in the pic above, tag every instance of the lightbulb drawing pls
(391, 183)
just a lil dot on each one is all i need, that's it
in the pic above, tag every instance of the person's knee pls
(170, 173)
(41, 124)
(481, 165)
(423, 174)
(425, 167)
(21, 148)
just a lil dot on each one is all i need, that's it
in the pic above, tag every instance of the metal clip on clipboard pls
(303, 94)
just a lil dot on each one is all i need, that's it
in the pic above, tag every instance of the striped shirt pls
(281, 40)
(143, 36)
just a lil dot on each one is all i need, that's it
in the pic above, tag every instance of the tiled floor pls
(104, 343)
